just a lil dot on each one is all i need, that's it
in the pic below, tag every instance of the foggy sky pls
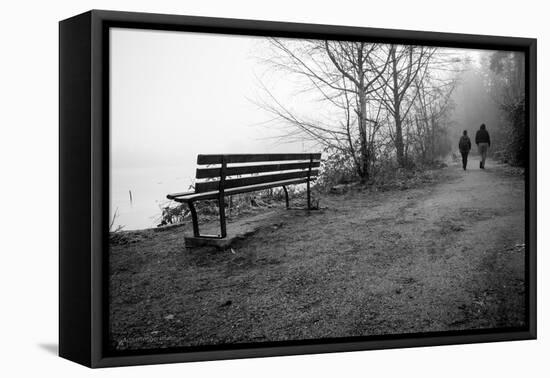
(178, 94)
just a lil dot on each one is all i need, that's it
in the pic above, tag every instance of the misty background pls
(175, 95)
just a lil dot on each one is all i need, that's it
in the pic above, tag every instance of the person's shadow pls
(52, 348)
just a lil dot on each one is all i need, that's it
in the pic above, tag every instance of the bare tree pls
(344, 74)
(433, 103)
(407, 65)
(505, 81)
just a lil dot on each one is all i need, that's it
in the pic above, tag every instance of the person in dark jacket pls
(483, 143)
(464, 146)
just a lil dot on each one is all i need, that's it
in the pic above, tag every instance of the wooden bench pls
(235, 174)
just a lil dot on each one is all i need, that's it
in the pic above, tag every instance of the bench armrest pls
(172, 196)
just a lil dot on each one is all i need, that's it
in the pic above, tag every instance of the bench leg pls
(308, 196)
(194, 219)
(221, 206)
(286, 197)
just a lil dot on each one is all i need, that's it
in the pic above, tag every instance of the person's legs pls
(479, 149)
(483, 154)
(464, 159)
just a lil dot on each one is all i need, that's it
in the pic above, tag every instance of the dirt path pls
(444, 257)
(456, 254)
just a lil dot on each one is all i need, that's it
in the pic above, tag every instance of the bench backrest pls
(234, 171)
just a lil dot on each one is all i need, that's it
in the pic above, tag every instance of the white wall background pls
(28, 156)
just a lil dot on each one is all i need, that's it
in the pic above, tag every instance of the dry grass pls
(412, 260)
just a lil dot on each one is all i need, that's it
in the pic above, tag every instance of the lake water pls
(148, 187)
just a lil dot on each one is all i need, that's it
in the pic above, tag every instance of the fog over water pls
(175, 95)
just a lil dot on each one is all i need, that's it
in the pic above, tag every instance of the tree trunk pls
(363, 136)
(433, 137)
(399, 147)
(362, 118)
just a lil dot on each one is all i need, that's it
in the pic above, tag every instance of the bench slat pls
(249, 169)
(252, 180)
(185, 197)
(253, 158)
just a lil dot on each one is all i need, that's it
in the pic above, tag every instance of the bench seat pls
(185, 197)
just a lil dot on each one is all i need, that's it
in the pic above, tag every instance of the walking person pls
(483, 143)
(464, 146)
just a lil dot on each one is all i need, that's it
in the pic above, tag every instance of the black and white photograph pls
(275, 189)
(268, 190)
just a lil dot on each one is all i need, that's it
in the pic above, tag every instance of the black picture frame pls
(84, 186)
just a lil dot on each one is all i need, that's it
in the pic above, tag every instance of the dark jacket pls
(482, 136)
(464, 144)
